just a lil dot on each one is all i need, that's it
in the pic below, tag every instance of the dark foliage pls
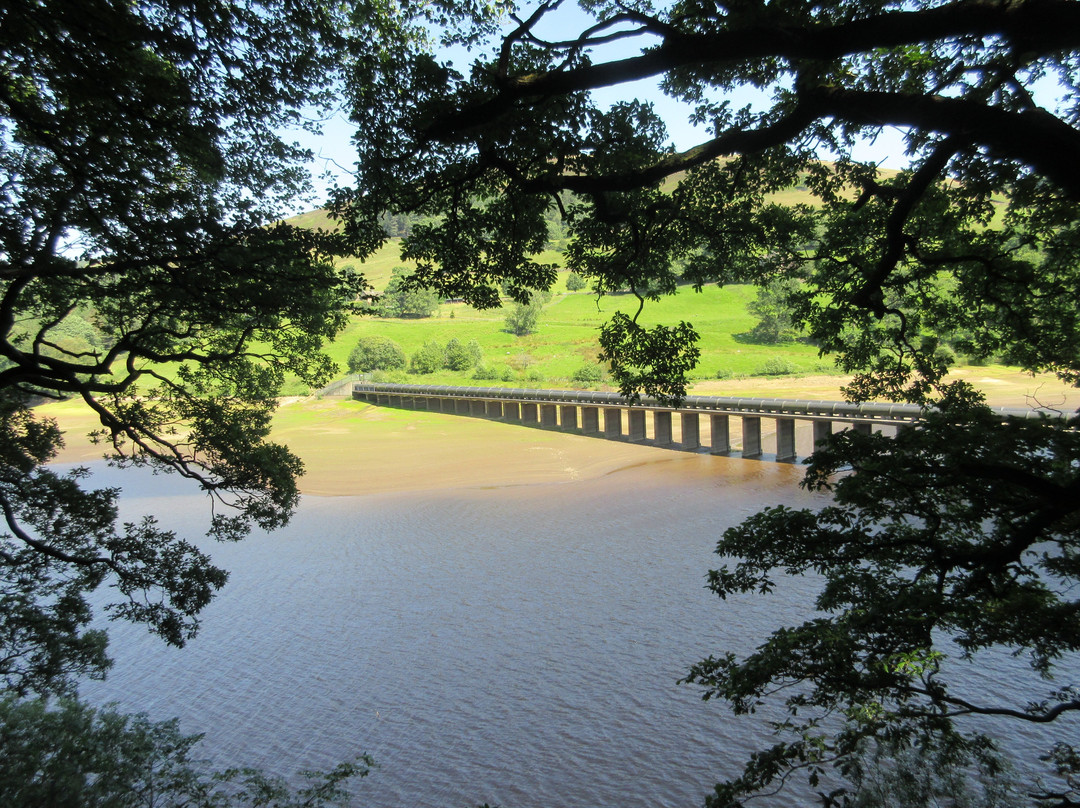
(966, 526)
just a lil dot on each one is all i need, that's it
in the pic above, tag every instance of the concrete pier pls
(662, 428)
(751, 436)
(822, 430)
(568, 416)
(691, 430)
(636, 424)
(590, 420)
(549, 415)
(785, 439)
(612, 422)
(721, 437)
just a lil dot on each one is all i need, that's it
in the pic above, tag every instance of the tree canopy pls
(960, 535)
(142, 170)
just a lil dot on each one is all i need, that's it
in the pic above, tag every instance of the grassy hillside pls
(566, 337)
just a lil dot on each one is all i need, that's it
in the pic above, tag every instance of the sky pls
(334, 152)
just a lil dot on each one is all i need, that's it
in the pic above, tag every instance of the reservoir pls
(517, 645)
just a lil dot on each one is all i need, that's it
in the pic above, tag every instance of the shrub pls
(589, 373)
(772, 307)
(428, 359)
(392, 376)
(462, 357)
(399, 302)
(376, 353)
(534, 375)
(574, 282)
(777, 366)
(725, 373)
(508, 374)
(522, 319)
(488, 372)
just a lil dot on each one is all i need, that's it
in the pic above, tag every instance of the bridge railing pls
(795, 408)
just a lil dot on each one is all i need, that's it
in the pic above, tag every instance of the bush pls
(574, 282)
(428, 359)
(725, 373)
(589, 373)
(399, 302)
(772, 307)
(776, 366)
(534, 375)
(71, 754)
(462, 357)
(389, 376)
(508, 374)
(522, 319)
(486, 372)
(376, 353)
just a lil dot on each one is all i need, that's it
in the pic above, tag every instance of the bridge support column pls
(636, 424)
(511, 411)
(751, 436)
(612, 422)
(529, 412)
(477, 407)
(691, 430)
(461, 406)
(785, 439)
(721, 435)
(568, 416)
(661, 427)
(548, 415)
(863, 428)
(590, 420)
(822, 430)
(493, 409)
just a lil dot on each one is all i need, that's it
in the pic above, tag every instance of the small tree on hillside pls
(430, 357)
(376, 353)
(462, 357)
(772, 307)
(574, 282)
(522, 319)
(400, 300)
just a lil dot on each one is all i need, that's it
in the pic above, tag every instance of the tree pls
(430, 358)
(523, 318)
(142, 170)
(75, 756)
(402, 299)
(575, 283)
(773, 311)
(376, 352)
(462, 357)
(979, 236)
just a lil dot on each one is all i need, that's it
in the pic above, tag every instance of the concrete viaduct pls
(608, 415)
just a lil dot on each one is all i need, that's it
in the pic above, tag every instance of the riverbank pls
(352, 448)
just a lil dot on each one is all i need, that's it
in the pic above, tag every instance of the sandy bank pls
(350, 448)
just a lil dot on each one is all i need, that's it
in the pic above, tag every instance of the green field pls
(566, 337)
